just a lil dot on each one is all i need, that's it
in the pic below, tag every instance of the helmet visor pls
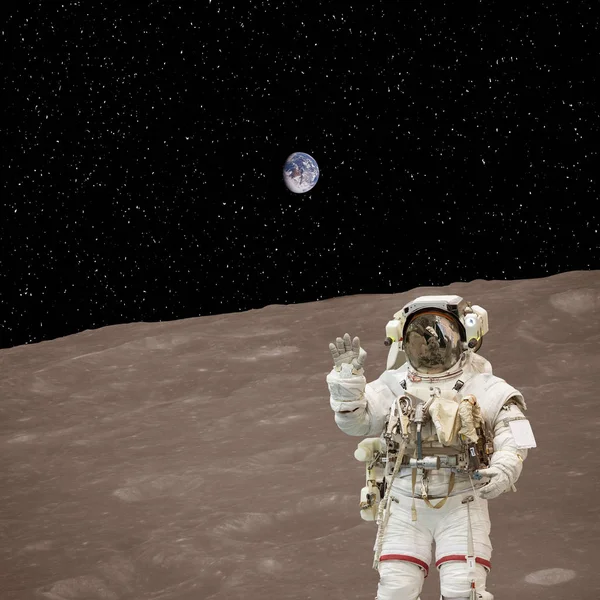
(432, 342)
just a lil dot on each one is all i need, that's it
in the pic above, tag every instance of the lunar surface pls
(199, 459)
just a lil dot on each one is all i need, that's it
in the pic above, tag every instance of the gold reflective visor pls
(432, 342)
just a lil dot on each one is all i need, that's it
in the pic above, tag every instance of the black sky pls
(143, 153)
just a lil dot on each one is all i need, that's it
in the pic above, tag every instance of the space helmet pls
(432, 333)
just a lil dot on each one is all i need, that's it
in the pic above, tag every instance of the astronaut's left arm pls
(506, 462)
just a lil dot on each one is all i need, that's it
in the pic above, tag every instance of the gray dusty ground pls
(199, 459)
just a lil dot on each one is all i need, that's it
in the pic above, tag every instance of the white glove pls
(348, 352)
(346, 380)
(498, 484)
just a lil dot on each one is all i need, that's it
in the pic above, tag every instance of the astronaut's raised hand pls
(347, 355)
(346, 381)
(499, 482)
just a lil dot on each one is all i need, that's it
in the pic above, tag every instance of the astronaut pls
(443, 435)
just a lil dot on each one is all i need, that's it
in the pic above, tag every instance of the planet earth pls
(300, 172)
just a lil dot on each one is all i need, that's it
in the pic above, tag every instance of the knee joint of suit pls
(455, 581)
(399, 579)
(480, 596)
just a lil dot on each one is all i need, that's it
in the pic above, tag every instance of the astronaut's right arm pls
(360, 408)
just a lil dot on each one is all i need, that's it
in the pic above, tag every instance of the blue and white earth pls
(300, 172)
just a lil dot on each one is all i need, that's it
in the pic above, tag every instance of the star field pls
(144, 147)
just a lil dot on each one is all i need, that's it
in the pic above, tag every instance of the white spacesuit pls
(443, 436)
